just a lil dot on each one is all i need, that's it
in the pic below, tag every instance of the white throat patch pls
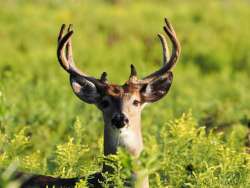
(128, 139)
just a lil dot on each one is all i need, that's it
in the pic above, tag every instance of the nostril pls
(126, 120)
(119, 120)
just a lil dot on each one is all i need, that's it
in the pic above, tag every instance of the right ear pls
(157, 88)
(84, 89)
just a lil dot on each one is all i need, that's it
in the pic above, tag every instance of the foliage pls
(188, 158)
(45, 129)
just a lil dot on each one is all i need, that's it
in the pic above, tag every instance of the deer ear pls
(84, 89)
(157, 88)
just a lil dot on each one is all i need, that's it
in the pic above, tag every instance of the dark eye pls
(136, 103)
(104, 103)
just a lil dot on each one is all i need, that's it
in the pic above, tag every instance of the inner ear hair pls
(157, 88)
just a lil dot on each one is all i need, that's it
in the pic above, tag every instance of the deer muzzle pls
(119, 120)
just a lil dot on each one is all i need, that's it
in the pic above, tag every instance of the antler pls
(165, 49)
(168, 63)
(65, 58)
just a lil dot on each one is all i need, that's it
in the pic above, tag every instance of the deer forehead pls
(130, 96)
(124, 98)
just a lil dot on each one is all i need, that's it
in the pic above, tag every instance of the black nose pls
(119, 120)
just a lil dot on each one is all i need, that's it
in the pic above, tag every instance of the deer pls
(121, 105)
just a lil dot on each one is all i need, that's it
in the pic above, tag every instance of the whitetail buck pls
(121, 106)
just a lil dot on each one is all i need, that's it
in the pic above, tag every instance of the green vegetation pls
(45, 129)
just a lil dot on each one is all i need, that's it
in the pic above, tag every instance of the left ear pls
(157, 88)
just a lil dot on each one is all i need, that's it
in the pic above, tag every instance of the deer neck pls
(129, 138)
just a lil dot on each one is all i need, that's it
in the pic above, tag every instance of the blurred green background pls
(39, 112)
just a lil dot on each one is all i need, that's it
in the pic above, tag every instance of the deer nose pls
(119, 120)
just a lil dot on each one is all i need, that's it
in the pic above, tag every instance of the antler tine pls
(69, 54)
(175, 53)
(61, 32)
(165, 49)
(104, 77)
(176, 44)
(62, 41)
(65, 57)
(133, 74)
(133, 71)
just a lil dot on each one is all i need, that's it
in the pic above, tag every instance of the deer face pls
(122, 115)
(121, 105)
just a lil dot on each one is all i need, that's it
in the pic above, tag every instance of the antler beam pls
(65, 57)
(167, 64)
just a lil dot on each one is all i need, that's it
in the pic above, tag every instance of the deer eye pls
(136, 103)
(104, 103)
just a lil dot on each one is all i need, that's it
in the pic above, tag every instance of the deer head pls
(121, 105)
